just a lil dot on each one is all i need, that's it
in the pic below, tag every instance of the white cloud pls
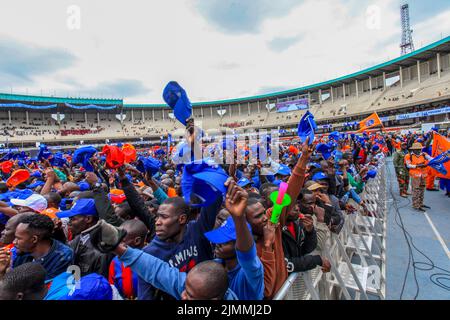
(153, 42)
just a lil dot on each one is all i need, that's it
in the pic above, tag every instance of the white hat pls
(35, 201)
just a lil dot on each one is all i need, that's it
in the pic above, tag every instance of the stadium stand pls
(414, 82)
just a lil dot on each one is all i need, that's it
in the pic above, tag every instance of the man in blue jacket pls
(35, 244)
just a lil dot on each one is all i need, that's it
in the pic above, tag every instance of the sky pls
(216, 49)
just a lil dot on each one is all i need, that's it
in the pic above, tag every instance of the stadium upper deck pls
(417, 80)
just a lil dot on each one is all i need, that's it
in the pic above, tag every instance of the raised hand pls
(91, 178)
(5, 260)
(236, 199)
(326, 265)
(269, 235)
(307, 150)
(308, 223)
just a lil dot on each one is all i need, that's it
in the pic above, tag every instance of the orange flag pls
(370, 122)
(440, 144)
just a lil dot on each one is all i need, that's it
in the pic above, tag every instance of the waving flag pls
(437, 163)
(370, 122)
(177, 99)
(306, 127)
(441, 145)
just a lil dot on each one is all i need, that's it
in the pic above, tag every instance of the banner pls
(440, 144)
(443, 110)
(27, 106)
(295, 105)
(90, 106)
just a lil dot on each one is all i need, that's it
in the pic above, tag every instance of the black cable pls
(436, 278)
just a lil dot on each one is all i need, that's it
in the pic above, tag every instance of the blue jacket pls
(247, 278)
(159, 273)
(193, 249)
(55, 262)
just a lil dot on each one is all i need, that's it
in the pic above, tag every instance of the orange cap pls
(129, 153)
(50, 212)
(18, 177)
(6, 166)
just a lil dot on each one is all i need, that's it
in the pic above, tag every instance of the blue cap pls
(284, 170)
(149, 164)
(375, 148)
(84, 186)
(371, 174)
(204, 181)
(63, 203)
(315, 165)
(177, 99)
(160, 152)
(225, 233)
(58, 160)
(306, 127)
(83, 207)
(243, 182)
(82, 155)
(319, 176)
(43, 152)
(35, 184)
(36, 174)
(334, 135)
(16, 194)
(91, 287)
(325, 150)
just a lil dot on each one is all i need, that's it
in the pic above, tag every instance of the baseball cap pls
(225, 233)
(35, 202)
(50, 212)
(315, 186)
(129, 153)
(91, 287)
(319, 176)
(114, 156)
(175, 96)
(243, 182)
(117, 196)
(18, 177)
(84, 186)
(371, 174)
(83, 207)
(284, 170)
(36, 184)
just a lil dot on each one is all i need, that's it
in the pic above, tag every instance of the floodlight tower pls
(407, 44)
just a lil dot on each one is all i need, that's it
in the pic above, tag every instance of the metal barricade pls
(357, 254)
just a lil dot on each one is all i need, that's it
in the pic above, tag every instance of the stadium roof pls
(43, 99)
(407, 60)
(389, 66)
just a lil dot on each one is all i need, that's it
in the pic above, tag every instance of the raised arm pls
(297, 178)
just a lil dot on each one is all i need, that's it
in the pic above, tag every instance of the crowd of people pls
(120, 223)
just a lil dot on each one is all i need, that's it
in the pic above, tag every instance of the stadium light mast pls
(407, 44)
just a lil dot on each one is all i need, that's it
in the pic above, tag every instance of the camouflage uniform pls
(418, 191)
(401, 171)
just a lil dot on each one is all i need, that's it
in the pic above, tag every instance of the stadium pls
(345, 199)
(418, 81)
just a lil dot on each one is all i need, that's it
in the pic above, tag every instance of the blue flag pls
(306, 127)
(437, 163)
(177, 99)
